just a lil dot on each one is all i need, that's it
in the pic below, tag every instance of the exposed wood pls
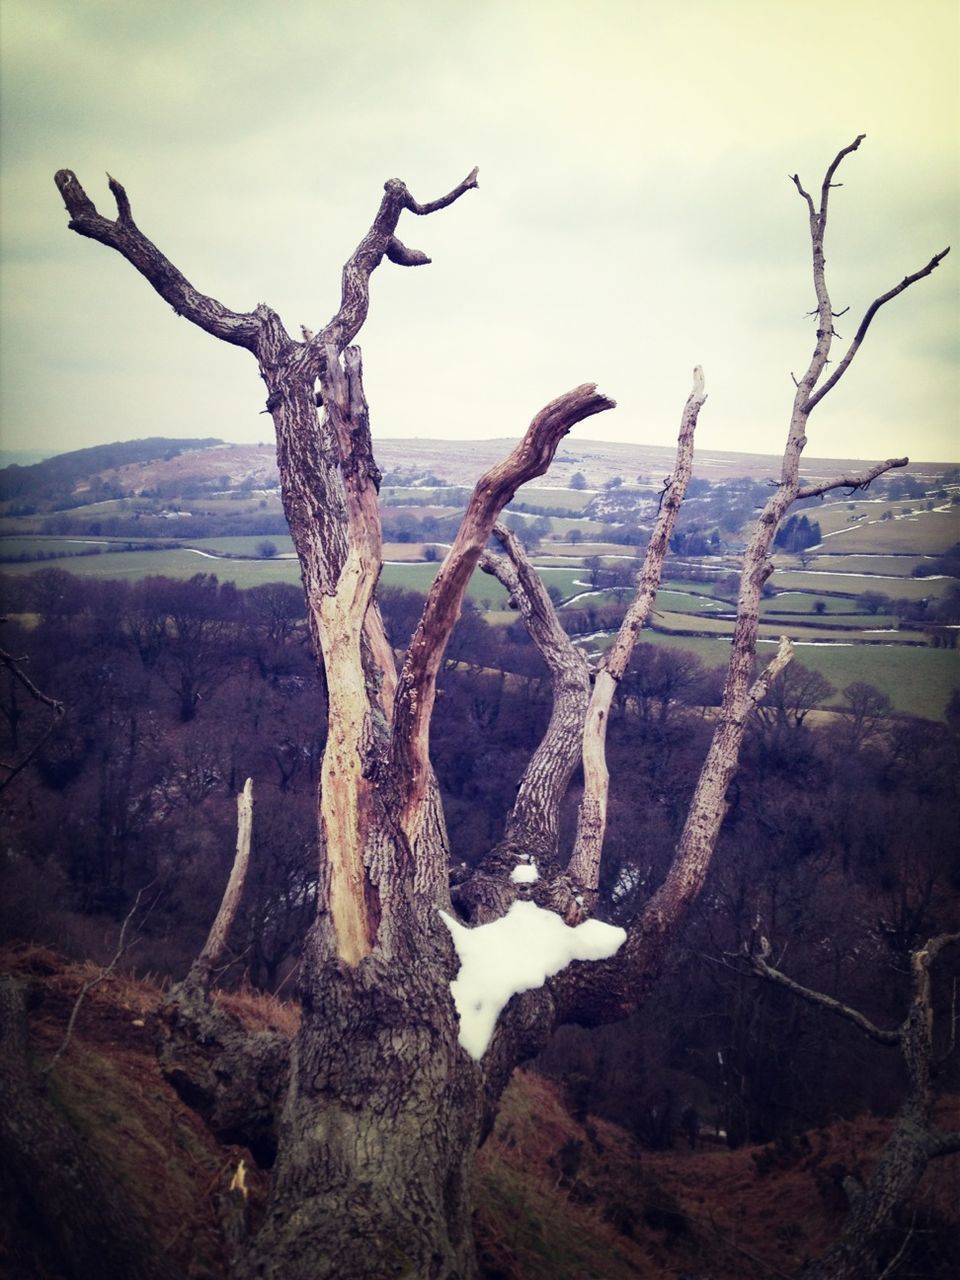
(533, 821)
(211, 957)
(384, 1110)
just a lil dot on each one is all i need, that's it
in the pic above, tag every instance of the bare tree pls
(385, 1108)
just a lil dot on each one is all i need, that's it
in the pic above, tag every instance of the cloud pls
(634, 215)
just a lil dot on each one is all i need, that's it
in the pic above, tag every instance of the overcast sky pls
(634, 215)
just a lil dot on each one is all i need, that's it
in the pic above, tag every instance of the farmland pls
(854, 603)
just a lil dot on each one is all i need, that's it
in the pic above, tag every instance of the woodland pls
(781, 893)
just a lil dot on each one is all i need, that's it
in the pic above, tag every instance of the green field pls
(172, 564)
(803, 602)
(244, 545)
(572, 500)
(918, 681)
(28, 545)
(925, 532)
(563, 526)
(855, 584)
(901, 566)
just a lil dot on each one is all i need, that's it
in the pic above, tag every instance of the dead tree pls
(864, 1245)
(385, 1107)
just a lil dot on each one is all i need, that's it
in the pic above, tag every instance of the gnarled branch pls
(379, 242)
(759, 964)
(532, 825)
(241, 328)
(416, 689)
(850, 479)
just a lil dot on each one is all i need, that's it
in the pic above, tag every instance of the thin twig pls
(122, 946)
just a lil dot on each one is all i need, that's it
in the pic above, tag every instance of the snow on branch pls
(515, 953)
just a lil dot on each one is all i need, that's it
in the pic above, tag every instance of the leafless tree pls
(383, 1109)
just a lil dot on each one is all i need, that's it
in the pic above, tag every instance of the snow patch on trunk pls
(516, 953)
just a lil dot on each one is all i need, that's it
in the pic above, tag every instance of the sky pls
(634, 215)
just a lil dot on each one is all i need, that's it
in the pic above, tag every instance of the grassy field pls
(918, 680)
(855, 584)
(33, 546)
(563, 526)
(244, 545)
(572, 500)
(901, 566)
(181, 563)
(924, 532)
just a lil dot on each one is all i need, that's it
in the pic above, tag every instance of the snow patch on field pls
(516, 953)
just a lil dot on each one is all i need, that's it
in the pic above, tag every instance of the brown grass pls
(556, 1199)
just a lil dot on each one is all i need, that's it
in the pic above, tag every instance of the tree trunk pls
(380, 1126)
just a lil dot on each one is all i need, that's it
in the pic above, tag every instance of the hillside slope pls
(555, 1197)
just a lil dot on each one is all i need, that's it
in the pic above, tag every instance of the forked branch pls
(240, 328)
(380, 242)
(865, 323)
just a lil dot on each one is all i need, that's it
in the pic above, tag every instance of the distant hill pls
(59, 477)
(168, 468)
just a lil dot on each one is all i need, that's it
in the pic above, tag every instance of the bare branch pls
(12, 665)
(215, 945)
(834, 166)
(242, 329)
(468, 184)
(533, 822)
(764, 970)
(379, 242)
(14, 770)
(865, 323)
(584, 867)
(122, 947)
(851, 479)
(761, 686)
(944, 1144)
(416, 688)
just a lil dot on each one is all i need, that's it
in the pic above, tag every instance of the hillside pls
(557, 1198)
(85, 474)
(170, 466)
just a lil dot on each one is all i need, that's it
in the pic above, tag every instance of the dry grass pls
(556, 1199)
